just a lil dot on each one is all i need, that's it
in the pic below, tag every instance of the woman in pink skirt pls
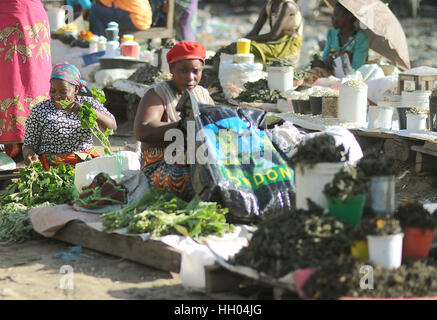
(25, 65)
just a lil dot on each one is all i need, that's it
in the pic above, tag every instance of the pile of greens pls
(320, 148)
(88, 119)
(411, 213)
(36, 187)
(161, 213)
(348, 182)
(375, 163)
(259, 91)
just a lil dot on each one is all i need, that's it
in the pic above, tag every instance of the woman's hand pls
(73, 108)
(29, 155)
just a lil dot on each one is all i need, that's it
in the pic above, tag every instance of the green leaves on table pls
(160, 213)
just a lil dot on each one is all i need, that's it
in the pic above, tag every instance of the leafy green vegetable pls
(160, 213)
(36, 187)
(88, 119)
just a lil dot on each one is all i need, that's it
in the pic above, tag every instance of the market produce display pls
(88, 119)
(342, 278)
(36, 187)
(292, 241)
(259, 91)
(160, 213)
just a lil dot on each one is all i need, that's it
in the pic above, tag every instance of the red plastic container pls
(130, 49)
(417, 242)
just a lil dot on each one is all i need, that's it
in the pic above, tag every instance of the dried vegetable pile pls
(341, 278)
(292, 241)
(259, 91)
(148, 74)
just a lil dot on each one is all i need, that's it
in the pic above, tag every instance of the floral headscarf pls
(69, 73)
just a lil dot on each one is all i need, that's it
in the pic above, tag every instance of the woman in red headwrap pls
(53, 133)
(157, 114)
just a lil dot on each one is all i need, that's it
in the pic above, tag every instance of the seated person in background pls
(157, 113)
(286, 30)
(345, 38)
(83, 5)
(282, 42)
(131, 15)
(53, 135)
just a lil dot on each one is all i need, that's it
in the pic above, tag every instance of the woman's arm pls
(287, 10)
(148, 125)
(105, 121)
(361, 50)
(262, 18)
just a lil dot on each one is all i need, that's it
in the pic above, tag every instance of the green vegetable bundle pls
(88, 119)
(160, 213)
(36, 187)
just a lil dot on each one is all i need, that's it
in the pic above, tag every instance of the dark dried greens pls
(259, 91)
(380, 225)
(280, 63)
(348, 182)
(375, 163)
(287, 242)
(321, 148)
(344, 278)
(147, 74)
(413, 214)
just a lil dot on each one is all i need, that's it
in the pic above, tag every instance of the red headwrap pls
(186, 50)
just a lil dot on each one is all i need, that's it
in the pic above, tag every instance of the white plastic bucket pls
(352, 104)
(380, 117)
(310, 183)
(381, 198)
(416, 121)
(386, 250)
(418, 98)
(57, 17)
(280, 78)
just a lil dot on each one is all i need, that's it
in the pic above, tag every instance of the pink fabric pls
(25, 64)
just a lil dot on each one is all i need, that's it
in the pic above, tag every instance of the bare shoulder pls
(151, 98)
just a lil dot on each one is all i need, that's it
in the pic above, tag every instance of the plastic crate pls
(91, 58)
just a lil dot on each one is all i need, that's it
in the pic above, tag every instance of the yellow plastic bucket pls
(360, 250)
(243, 46)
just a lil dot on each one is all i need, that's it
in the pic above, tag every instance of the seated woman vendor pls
(345, 38)
(53, 135)
(282, 42)
(157, 114)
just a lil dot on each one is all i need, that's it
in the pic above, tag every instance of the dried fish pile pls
(412, 214)
(259, 91)
(335, 279)
(417, 110)
(292, 241)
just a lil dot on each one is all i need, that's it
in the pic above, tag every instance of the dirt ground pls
(30, 271)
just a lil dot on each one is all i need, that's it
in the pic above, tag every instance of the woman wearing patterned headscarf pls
(53, 134)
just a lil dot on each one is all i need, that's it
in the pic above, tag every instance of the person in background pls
(344, 38)
(185, 17)
(25, 62)
(53, 134)
(157, 113)
(131, 15)
(282, 42)
(83, 5)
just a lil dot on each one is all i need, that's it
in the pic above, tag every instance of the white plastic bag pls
(233, 76)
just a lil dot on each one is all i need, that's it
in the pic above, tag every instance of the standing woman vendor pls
(344, 38)
(157, 113)
(284, 39)
(25, 63)
(131, 15)
(53, 134)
